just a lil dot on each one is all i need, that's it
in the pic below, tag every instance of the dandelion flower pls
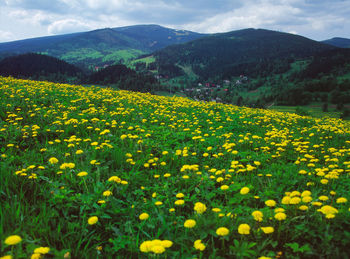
(341, 200)
(158, 249)
(199, 245)
(144, 216)
(81, 174)
(41, 250)
(280, 216)
(244, 190)
(13, 240)
(92, 220)
(200, 207)
(190, 223)
(257, 215)
(222, 231)
(179, 202)
(267, 230)
(224, 187)
(244, 229)
(53, 160)
(270, 203)
(107, 193)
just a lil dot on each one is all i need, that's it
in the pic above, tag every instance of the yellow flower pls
(78, 152)
(53, 160)
(190, 223)
(114, 179)
(107, 193)
(341, 200)
(145, 247)
(326, 209)
(303, 207)
(199, 245)
(307, 199)
(244, 229)
(222, 231)
(295, 200)
(158, 203)
(179, 202)
(200, 207)
(41, 250)
(92, 162)
(180, 195)
(280, 216)
(305, 193)
(286, 200)
(244, 190)
(81, 174)
(144, 216)
(224, 187)
(92, 220)
(258, 215)
(323, 198)
(36, 256)
(302, 172)
(324, 181)
(167, 243)
(270, 203)
(267, 230)
(13, 240)
(158, 249)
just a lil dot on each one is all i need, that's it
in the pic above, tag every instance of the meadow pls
(89, 172)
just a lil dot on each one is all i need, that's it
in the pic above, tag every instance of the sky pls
(315, 19)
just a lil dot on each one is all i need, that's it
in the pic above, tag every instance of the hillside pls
(251, 52)
(257, 68)
(338, 42)
(103, 46)
(88, 172)
(39, 67)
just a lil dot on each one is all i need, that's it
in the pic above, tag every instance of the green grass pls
(80, 165)
(146, 60)
(125, 55)
(314, 110)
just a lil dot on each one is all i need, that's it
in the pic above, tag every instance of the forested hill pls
(338, 42)
(120, 76)
(102, 47)
(250, 51)
(39, 67)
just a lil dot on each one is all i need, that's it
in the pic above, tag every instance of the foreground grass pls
(91, 172)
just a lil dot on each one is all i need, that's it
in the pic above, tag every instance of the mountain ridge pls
(338, 42)
(101, 46)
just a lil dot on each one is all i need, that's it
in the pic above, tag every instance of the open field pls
(88, 172)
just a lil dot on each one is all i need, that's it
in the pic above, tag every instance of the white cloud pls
(68, 26)
(6, 36)
(257, 15)
(312, 18)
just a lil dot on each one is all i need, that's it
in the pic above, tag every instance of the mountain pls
(155, 37)
(39, 67)
(338, 42)
(103, 46)
(256, 67)
(250, 51)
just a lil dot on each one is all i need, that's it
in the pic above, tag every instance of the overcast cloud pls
(315, 19)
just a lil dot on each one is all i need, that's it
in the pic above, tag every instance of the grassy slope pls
(120, 154)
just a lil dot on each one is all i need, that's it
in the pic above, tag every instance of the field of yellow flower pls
(88, 172)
